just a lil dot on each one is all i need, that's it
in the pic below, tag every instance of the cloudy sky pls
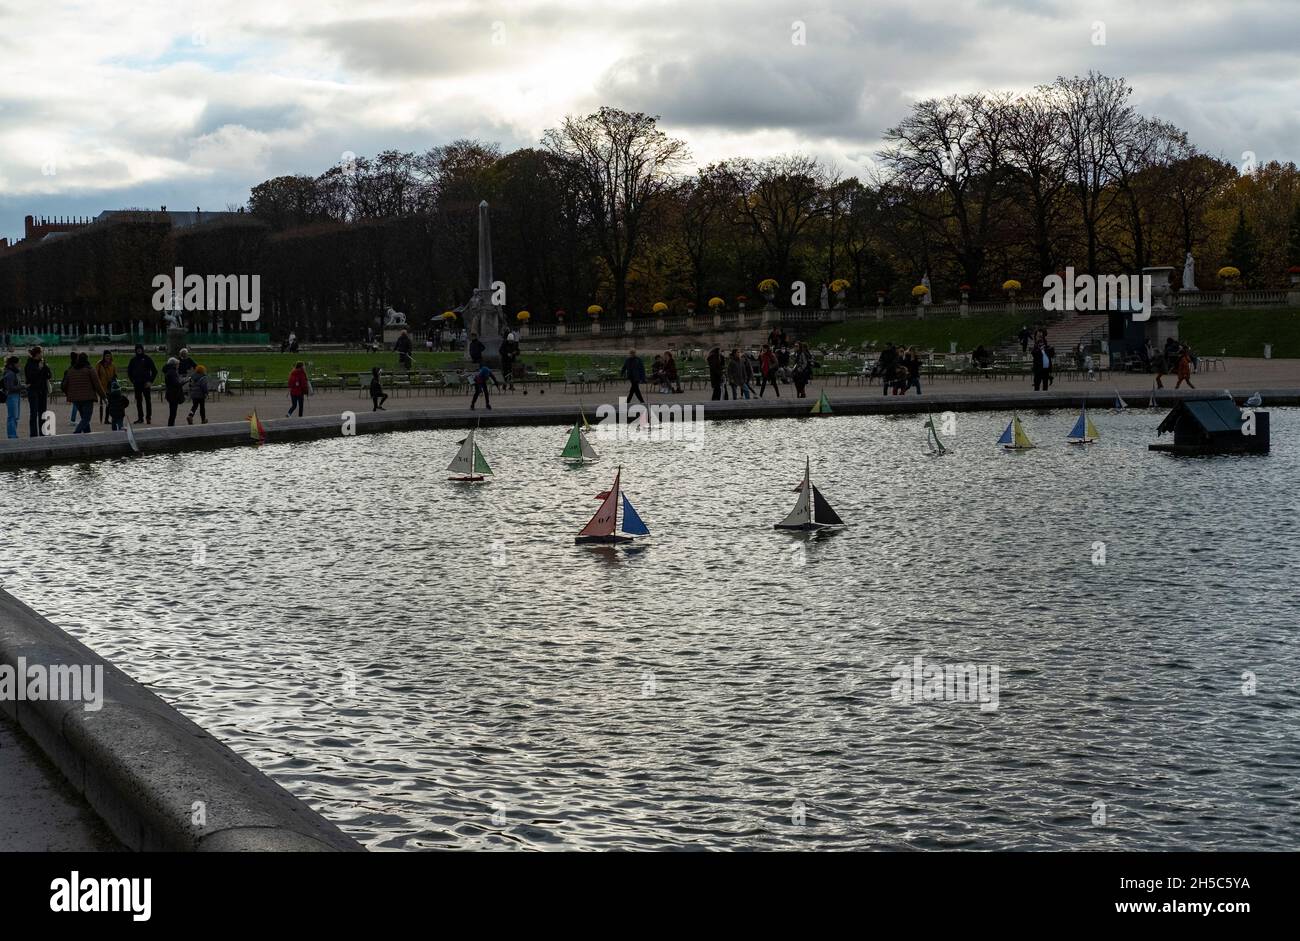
(110, 104)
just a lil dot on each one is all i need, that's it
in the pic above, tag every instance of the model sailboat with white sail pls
(603, 528)
(469, 466)
(811, 511)
(578, 449)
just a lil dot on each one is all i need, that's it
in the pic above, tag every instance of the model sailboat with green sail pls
(469, 466)
(932, 437)
(578, 449)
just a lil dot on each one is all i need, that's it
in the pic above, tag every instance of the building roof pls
(1214, 416)
(179, 220)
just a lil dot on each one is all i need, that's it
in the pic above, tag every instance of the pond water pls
(435, 665)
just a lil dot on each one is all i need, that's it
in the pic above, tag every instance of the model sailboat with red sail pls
(603, 528)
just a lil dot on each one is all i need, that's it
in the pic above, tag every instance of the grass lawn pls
(278, 365)
(1242, 332)
(931, 334)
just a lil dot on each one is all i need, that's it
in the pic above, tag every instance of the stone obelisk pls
(481, 315)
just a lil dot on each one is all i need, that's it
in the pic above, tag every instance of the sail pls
(588, 452)
(1089, 428)
(801, 515)
(573, 447)
(1021, 439)
(606, 518)
(1007, 436)
(1120, 404)
(822, 512)
(823, 406)
(463, 462)
(935, 443)
(1080, 429)
(632, 522)
(130, 438)
(480, 462)
(585, 426)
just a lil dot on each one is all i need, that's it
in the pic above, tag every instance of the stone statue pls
(927, 297)
(826, 302)
(1189, 273)
(394, 318)
(481, 315)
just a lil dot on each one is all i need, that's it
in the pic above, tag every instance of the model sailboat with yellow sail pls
(1014, 438)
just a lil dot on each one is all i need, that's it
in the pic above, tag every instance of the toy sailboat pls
(823, 406)
(1014, 438)
(130, 438)
(1083, 431)
(811, 511)
(1151, 403)
(578, 450)
(602, 529)
(932, 437)
(469, 462)
(1120, 405)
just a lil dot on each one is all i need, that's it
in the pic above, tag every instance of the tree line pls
(970, 190)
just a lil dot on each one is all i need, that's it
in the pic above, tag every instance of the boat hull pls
(600, 540)
(1015, 447)
(467, 480)
(804, 527)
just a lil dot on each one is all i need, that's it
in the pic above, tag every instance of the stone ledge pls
(142, 765)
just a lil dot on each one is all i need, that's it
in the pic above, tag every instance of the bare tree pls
(777, 199)
(621, 165)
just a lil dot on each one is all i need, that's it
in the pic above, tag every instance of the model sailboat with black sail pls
(469, 466)
(603, 528)
(932, 437)
(811, 511)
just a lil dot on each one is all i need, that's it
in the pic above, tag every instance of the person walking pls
(38, 376)
(888, 360)
(81, 386)
(377, 394)
(476, 348)
(736, 374)
(1040, 364)
(802, 369)
(298, 386)
(198, 395)
(634, 370)
(106, 372)
(913, 363)
(509, 354)
(116, 405)
(1184, 368)
(173, 388)
(142, 371)
(716, 366)
(402, 346)
(481, 379)
(14, 389)
(767, 372)
(185, 364)
(1024, 339)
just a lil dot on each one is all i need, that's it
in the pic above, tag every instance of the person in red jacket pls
(298, 388)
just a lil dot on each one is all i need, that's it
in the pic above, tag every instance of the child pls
(116, 405)
(377, 394)
(480, 386)
(198, 395)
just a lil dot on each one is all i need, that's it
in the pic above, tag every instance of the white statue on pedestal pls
(926, 298)
(1189, 273)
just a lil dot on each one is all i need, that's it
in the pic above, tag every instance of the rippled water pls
(432, 665)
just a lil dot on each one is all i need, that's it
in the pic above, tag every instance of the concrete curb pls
(142, 765)
(845, 402)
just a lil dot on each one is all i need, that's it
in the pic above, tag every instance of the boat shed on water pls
(1214, 426)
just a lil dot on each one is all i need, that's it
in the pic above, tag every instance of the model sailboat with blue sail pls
(1120, 405)
(603, 528)
(1083, 431)
(811, 511)
(1014, 438)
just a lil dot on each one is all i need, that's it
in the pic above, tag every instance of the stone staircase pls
(1063, 335)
